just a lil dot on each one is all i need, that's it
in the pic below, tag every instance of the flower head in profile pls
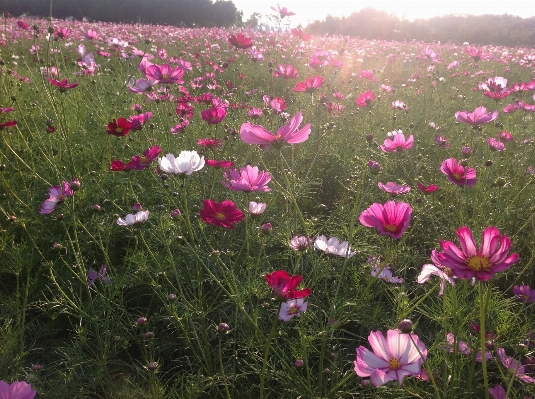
(365, 99)
(16, 390)
(469, 261)
(56, 195)
(240, 41)
(7, 124)
(390, 219)
(310, 85)
(257, 208)
(393, 188)
(119, 127)
(525, 293)
(285, 286)
(283, 12)
(289, 133)
(457, 173)
(333, 246)
(430, 189)
(248, 179)
(185, 164)
(292, 308)
(478, 117)
(132, 219)
(444, 273)
(385, 273)
(392, 359)
(399, 105)
(398, 143)
(222, 164)
(224, 214)
(141, 162)
(63, 85)
(93, 276)
(495, 145)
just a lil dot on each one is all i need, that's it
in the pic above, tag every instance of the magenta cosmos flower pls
(224, 214)
(240, 41)
(392, 359)
(390, 219)
(398, 143)
(458, 174)
(284, 286)
(289, 133)
(525, 293)
(248, 179)
(16, 390)
(478, 117)
(471, 262)
(365, 98)
(138, 162)
(164, 74)
(285, 72)
(310, 85)
(214, 115)
(62, 85)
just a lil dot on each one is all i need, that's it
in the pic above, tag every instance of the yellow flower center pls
(390, 228)
(394, 363)
(293, 310)
(143, 159)
(478, 263)
(118, 129)
(448, 272)
(220, 215)
(457, 176)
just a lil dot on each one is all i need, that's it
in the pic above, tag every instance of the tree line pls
(505, 30)
(221, 13)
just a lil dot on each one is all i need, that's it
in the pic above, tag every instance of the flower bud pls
(141, 320)
(152, 366)
(299, 363)
(405, 326)
(223, 328)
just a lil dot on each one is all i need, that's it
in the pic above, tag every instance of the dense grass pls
(186, 276)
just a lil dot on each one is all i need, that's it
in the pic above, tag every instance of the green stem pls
(266, 355)
(222, 368)
(437, 392)
(482, 311)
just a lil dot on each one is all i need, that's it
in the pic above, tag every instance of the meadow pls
(219, 213)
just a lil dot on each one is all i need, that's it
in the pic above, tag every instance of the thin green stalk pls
(266, 355)
(483, 301)
(429, 372)
(222, 368)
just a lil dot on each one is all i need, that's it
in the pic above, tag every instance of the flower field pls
(210, 213)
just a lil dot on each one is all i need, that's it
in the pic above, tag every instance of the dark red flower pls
(119, 127)
(284, 286)
(240, 41)
(224, 214)
(428, 189)
(117, 165)
(214, 115)
(7, 124)
(63, 85)
(219, 164)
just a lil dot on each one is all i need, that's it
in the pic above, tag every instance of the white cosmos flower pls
(333, 246)
(256, 208)
(185, 164)
(131, 219)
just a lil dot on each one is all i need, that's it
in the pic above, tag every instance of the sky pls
(309, 10)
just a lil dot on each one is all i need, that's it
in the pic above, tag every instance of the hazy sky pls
(310, 10)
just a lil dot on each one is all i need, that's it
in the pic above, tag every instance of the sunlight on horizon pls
(311, 10)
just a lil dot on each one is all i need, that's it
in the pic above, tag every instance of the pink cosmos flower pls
(365, 99)
(301, 243)
(289, 133)
(93, 276)
(254, 113)
(162, 74)
(497, 392)
(333, 246)
(91, 34)
(458, 174)
(504, 137)
(392, 359)
(210, 143)
(214, 115)
(310, 85)
(495, 145)
(257, 208)
(393, 188)
(442, 141)
(284, 286)
(398, 143)
(141, 162)
(240, 41)
(478, 117)
(17, 389)
(292, 308)
(23, 25)
(248, 179)
(430, 189)
(224, 214)
(219, 164)
(525, 293)
(471, 262)
(366, 75)
(386, 275)
(56, 195)
(285, 72)
(515, 366)
(390, 219)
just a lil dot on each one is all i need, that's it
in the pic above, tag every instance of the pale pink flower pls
(333, 246)
(248, 179)
(132, 219)
(393, 188)
(292, 308)
(478, 117)
(257, 208)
